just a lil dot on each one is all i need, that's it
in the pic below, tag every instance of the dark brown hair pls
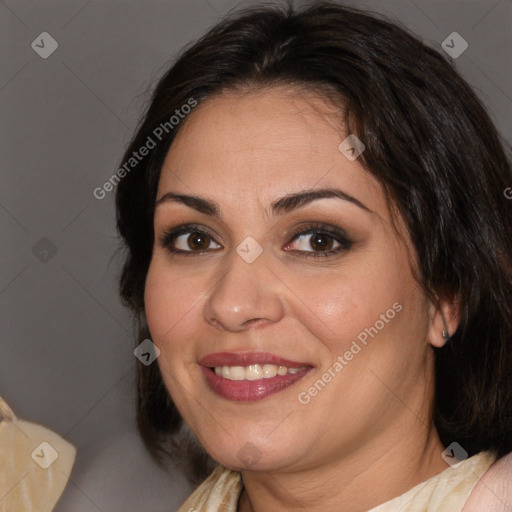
(431, 145)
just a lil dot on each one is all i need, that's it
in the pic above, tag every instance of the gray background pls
(67, 349)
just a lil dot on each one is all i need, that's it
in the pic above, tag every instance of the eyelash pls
(168, 237)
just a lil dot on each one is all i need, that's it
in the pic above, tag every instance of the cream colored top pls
(35, 464)
(444, 492)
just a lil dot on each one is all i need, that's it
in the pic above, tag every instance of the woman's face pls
(291, 331)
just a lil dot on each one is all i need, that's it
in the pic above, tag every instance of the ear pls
(444, 318)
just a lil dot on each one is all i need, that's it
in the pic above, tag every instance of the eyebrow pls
(281, 206)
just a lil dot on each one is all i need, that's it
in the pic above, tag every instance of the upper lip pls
(247, 359)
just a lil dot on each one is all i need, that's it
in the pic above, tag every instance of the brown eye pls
(312, 241)
(321, 242)
(187, 239)
(198, 241)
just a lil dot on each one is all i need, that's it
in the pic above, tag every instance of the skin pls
(367, 436)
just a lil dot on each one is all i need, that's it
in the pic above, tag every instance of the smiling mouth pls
(250, 376)
(255, 372)
(250, 384)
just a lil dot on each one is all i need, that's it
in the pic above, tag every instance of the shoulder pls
(23, 444)
(493, 492)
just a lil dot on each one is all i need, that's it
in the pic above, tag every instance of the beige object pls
(444, 492)
(35, 464)
(493, 492)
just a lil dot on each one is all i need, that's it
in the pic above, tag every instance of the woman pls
(318, 245)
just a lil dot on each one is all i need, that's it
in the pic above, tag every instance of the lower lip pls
(250, 390)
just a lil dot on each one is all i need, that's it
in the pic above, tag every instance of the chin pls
(243, 454)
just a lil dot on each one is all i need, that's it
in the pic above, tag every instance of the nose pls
(247, 295)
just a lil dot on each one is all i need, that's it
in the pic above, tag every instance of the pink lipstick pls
(250, 376)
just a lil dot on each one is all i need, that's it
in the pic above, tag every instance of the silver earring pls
(446, 336)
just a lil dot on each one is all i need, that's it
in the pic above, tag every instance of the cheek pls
(347, 300)
(377, 305)
(169, 306)
(168, 300)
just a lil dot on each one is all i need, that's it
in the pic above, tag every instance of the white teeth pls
(236, 372)
(269, 371)
(254, 371)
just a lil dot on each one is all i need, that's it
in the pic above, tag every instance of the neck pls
(357, 482)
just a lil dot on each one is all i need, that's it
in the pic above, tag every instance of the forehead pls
(277, 119)
(262, 145)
